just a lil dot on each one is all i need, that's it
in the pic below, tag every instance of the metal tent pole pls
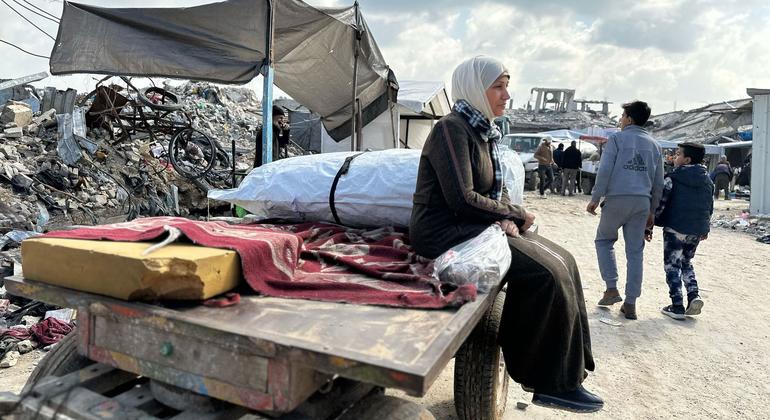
(354, 134)
(267, 87)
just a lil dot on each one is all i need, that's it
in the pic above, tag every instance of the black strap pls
(343, 170)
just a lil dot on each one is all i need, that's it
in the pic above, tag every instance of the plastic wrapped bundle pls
(482, 260)
(376, 190)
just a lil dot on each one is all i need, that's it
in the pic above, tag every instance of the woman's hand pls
(509, 227)
(529, 220)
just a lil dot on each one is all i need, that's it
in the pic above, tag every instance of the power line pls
(35, 12)
(41, 10)
(22, 49)
(28, 21)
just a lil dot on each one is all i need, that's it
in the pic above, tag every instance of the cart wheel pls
(61, 360)
(385, 407)
(192, 153)
(481, 381)
(168, 101)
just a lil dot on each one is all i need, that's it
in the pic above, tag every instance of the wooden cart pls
(271, 357)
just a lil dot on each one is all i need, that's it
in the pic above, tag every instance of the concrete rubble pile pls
(721, 122)
(109, 179)
(757, 227)
(536, 121)
(558, 109)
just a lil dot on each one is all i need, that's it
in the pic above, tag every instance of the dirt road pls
(713, 366)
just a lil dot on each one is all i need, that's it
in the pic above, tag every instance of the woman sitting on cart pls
(544, 330)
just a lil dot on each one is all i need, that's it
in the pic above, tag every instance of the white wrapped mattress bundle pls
(376, 191)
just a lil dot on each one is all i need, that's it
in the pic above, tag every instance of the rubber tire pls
(209, 147)
(386, 407)
(61, 360)
(556, 184)
(480, 379)
(531, 185)
(171, 106)
(587, 185)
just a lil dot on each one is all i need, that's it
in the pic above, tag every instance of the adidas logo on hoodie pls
(636, 164)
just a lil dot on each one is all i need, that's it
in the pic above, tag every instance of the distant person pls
(544, 157)
(571, 163)
(558, 155)
(684, 213)
(721, 176)
(745, 176)
(280, 137)
(630, 179)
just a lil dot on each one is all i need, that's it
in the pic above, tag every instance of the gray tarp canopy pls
(224, 42)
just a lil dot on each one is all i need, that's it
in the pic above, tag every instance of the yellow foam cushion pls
(118, 269)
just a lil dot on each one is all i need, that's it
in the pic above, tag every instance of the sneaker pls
(674, 311)
(543, 196)
(628, 310)
(579, 401)
(694, 306)
(610, 297)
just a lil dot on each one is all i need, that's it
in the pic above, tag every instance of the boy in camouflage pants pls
(684, 212)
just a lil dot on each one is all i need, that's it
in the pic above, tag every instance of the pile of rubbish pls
(55, 169)
(757, 227)
(28, 325)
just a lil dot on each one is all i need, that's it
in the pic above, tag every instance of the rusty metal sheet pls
(391, 347)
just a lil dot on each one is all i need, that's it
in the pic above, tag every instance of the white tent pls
(420, 104)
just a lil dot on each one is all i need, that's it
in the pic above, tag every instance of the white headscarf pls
(472, 78)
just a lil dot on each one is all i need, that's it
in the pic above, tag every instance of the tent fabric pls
(710, 149)
(224, 42)
(416, 96)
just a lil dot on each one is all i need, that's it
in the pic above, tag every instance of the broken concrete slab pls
(13, 133)
(21, 115)
(10, 359)
(25, 346)
(23, 80)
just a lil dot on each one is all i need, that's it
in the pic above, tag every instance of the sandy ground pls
(712, 366)
(715, 365)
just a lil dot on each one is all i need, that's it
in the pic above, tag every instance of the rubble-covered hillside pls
(114, 177)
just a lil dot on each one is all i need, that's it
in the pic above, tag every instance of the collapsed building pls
(721, 122)
(557, 109)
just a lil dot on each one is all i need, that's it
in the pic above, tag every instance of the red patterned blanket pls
(316, 261)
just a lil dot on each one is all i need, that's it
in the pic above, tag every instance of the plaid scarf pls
(490, 134)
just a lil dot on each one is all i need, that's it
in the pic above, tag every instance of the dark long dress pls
(544, 331)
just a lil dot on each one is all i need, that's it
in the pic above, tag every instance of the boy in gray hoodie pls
(630, 179)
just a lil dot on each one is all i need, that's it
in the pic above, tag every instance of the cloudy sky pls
(669, 52)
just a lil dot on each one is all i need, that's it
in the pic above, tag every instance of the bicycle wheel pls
(192, 153)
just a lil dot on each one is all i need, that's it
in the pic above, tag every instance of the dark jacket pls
(280, 140)
(450, 203)
(722, 168)
(558, 157)
(690, 202)
(573, 158)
